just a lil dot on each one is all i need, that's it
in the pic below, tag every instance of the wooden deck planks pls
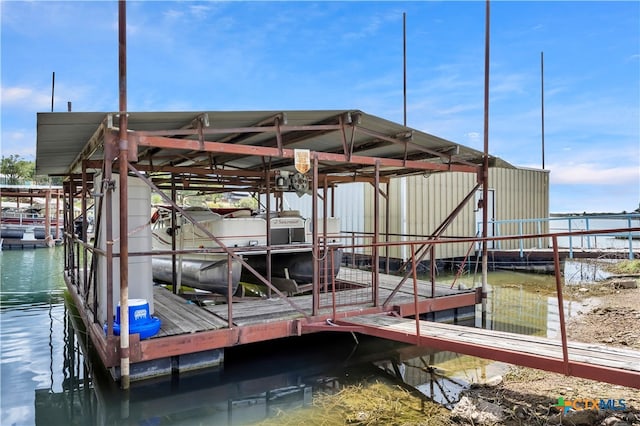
(389, 282)
(534, 345)
(178, 316)
(261, 310)
(265, 310)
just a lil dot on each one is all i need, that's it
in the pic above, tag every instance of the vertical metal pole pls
(268, 231)
(229, 292)
(174, 228)
(85, 222)
(404, 65)
(563, 329)
(58, 214)
(403, 180)
(376, 237)
(570, 240)
(542, 101)
(414, 272)
(314, 236)
(387, 225)
(325, 213)
(66, 200)
(53, 88)
(124, 222)
(72, 248)
(47, 218)
(333, 201)
(106, 190)
(432, 268)
(333, 285)
(631, 255)
(485, 169)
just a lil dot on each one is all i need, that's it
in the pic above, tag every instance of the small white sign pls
(302, 160)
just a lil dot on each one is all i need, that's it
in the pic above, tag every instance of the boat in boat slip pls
(246, 233)
(26, 223)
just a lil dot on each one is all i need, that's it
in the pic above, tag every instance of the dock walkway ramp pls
(590, 361)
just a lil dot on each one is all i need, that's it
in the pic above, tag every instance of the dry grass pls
(624, 267)
(366, 404)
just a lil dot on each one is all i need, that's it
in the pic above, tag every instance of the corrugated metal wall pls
(349, 205)
(518, 193)
(425, 202)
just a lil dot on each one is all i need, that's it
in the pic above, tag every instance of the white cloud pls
(24, 97)
(592, 173)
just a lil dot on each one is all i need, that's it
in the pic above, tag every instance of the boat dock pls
(34, 217)
(334, 272)
(189, 328)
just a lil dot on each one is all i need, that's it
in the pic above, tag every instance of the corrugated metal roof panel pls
(62, 136)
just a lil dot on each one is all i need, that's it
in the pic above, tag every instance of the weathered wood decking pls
(602, 363)
(180, 316)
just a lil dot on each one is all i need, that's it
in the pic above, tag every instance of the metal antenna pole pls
(53, 88)
(485, 170)
(542, 101)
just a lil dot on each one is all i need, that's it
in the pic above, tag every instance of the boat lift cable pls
(331, 323)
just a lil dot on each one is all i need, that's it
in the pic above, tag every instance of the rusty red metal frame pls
(222, 148)
(564, 365)
(557, 365)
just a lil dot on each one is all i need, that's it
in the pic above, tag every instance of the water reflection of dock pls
(256, 382)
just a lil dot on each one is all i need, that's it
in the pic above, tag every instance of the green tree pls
(15, 169)
(250, 202)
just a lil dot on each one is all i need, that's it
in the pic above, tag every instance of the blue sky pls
(348, 55)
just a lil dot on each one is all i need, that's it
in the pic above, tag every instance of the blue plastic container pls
(140, 320)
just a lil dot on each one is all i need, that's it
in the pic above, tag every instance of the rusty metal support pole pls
(124, 208)
(375, 267)
(85, 222)
(47, 218)
(333, 284)
(229, 292)
(414, 272)
(485, 169)
(333, 201)
(106, 189)
(387, 225)
(432, 268)
(72, 243)
(174, 228)
(563, 329)
(325, 213)
(66, 191)
(268, 233)
(353, 249)
(57, 214)
(314, 236)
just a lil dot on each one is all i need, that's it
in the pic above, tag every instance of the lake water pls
(45, 381)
